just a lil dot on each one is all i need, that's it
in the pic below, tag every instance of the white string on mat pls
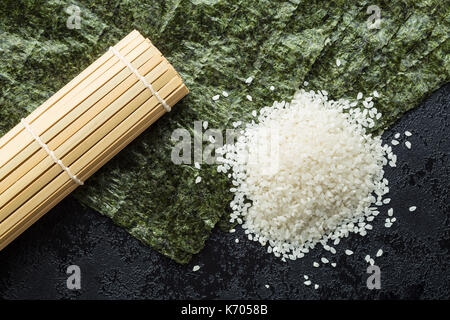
(51, 153)
(144, 81)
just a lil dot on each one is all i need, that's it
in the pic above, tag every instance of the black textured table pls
(114, 265)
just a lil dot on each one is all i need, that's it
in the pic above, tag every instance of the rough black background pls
(114, 265)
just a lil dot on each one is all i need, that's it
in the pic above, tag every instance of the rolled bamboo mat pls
(80, 128)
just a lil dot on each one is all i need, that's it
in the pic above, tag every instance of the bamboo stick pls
(29, 183)
(64, 90)
(19, 228)
(85, 124)
(89, 156)
(76, 119)
(69, 101)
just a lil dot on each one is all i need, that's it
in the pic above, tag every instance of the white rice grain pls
(299, 195)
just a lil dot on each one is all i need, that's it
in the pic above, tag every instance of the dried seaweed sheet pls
(372, 61)
(215, 45)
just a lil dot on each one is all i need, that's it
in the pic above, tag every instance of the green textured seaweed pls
(216, 45)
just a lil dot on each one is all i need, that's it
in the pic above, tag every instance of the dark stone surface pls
(114, 265)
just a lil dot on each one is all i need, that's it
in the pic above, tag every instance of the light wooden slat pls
(28, 185)
(108, 154)
(103, 112)
(67, 103)
(64, 90)
(76, 120)
(46, 192)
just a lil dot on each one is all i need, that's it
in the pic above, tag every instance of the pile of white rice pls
(306, 172)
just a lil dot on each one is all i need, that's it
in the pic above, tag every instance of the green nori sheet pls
(216, 45)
